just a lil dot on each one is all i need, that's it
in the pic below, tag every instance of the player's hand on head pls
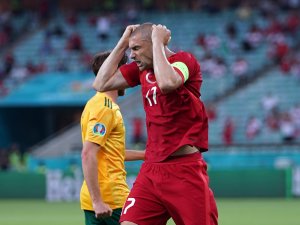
(161, 34)
(128, 31)
(130, 28)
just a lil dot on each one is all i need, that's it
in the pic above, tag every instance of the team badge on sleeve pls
(99, 129)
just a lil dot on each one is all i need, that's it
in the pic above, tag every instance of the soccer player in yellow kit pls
(104, 189)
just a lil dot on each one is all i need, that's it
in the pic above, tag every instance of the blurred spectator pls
(267, 7)
(208, 42)
(286, 64)
(56, 31)
(293, 22)
(200, 40)
(212, 41)
(41, 67)
(228, 130)
(232, 42)
(295, 115)
(219, 68)
(31, 68)
(132, 15)
(253, 127)
(3, 89)
(86, 59)
(270, 103)
(71, 18)
(213, 66)
(246, 46)
(103, 27)
(18, 74)
(287, 128)
(295, 68)
(137, 133)
(4, 38)
(9, 30)
(74, 42)
(211, 111)
(281, 50)
(254, 36)
(274, 27)
(272, 120)
(231, 30)
(9, 62)
(46, 47)
(239, 69)
(92, 20)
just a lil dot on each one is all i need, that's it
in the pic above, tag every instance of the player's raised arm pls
(166, 76)
(109, 76)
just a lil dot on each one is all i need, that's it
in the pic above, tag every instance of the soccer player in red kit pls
(172, 181)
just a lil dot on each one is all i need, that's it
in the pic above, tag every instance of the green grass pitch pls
(231, 212)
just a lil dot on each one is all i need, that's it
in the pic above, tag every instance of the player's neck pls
(113, 95)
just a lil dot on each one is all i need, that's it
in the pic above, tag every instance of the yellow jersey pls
(102, 123)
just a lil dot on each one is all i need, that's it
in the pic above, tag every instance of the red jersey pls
(174, 119)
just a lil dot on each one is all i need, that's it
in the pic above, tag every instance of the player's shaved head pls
(145, 30)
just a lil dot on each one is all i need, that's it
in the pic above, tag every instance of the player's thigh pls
(188, 196)
(144, 211)
(90, 218)
(143, 205)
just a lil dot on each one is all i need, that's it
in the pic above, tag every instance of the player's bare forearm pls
(109, 77)
(166, 76)
(90, 170)
(131, 155)
(104, 80)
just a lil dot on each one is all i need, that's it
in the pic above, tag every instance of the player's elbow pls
(84, 155)
(169, 84)
(98, 86)
(167, 87)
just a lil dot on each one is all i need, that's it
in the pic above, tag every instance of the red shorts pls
(177, 188)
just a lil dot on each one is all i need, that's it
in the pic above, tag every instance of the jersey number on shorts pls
(153, 89)
(132, 201)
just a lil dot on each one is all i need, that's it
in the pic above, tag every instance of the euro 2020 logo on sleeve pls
(99, 129)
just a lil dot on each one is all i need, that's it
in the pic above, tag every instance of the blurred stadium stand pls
(45, 81)
(249, 98)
